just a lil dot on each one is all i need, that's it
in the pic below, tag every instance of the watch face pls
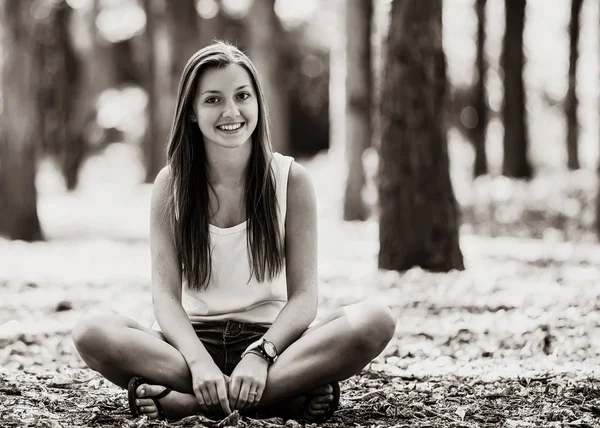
(269, 349)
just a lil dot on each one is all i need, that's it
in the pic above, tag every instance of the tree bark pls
(572, 102)
(598, 166)
(19, 123)
(515, 162)
(480, 167)
(265, 34)
(419, 213)
(359, 88)
(183, 28)
(157, 82)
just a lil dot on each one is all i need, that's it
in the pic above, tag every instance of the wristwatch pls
(264, 348)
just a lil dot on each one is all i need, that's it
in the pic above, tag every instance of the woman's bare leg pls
(336, 348)
(119, 348)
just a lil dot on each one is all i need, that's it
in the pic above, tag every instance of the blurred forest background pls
(454, 146)
(88, 89)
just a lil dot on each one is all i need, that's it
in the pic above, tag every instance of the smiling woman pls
(233, 242)
(226, 107)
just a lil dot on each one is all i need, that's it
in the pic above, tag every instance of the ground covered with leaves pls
(512, 341)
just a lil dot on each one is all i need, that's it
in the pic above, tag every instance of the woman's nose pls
(230, 109)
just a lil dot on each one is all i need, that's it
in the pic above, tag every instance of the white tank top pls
(231, 293)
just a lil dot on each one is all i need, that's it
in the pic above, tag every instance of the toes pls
(313, 413)
(147, 409)
(319, 406)
(146, 390)
(141, 390)
(320, 399)
(142, 402)
(322, 390)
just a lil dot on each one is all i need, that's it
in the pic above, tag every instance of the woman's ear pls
(192, 117)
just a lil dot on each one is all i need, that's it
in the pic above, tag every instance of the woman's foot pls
(176, 405)
(317, 404)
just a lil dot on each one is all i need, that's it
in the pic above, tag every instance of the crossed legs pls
(337, 347)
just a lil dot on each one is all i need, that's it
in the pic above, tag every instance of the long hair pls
(188, 205)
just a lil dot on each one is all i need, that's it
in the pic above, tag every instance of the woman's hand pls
(247, 382)
(210, 388)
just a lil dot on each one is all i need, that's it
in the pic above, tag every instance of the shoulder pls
(161, 189)
(300, 187)
(163, 177)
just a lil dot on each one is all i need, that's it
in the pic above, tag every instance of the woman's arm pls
(208, 383)
(301, 261)
(301, 308)
(166, 278)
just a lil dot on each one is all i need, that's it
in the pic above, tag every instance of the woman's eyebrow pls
(218, 92)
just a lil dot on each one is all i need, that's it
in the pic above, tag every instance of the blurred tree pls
(235, 29)
(210, 27)
(419, 213)
(572, 102)
(265, 34)
(598, 168)
(308, 95)
(62, 107)
(184, 33)
(157, 82)
(19, 122)
(481, 108)
(359, 88)
(515, 162)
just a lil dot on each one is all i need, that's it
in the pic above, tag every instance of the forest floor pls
(511, 341)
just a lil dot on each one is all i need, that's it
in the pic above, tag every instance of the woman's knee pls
(92, 335)
(373, 325)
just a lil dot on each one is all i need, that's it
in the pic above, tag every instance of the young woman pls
(233, 243)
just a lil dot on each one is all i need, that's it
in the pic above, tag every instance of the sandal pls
(275, 411)
(131, 388)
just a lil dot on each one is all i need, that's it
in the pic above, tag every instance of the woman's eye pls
(211, 100)
(243, 95)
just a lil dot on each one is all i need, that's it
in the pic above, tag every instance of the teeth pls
(230, 127)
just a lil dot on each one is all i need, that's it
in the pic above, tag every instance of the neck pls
(227, 166)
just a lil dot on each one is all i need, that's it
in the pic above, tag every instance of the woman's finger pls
(254, 395)
(214, 397)
(222, 396)
(234, 391)
(201, 401)
(243, 396)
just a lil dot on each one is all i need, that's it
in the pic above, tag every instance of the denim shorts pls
(226, 340)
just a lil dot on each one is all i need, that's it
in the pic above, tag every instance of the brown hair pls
(189, 200)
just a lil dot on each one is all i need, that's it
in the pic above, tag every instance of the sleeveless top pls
(231, 293)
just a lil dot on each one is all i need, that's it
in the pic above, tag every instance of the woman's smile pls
(231, 128)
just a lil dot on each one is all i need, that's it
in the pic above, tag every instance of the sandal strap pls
(159, 408)
(162, 394)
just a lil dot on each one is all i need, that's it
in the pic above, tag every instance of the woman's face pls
(226, 106)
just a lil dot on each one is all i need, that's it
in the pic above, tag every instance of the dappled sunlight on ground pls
(513, 339)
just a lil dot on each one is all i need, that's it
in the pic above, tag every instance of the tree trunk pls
(264, 33)
(183, 29)
(572, 102)
(481, 108)
(157, 82)
(359, 87)
(598, 166)
(75, 107)
(515, 162)
(419, 213)
(19, 123)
